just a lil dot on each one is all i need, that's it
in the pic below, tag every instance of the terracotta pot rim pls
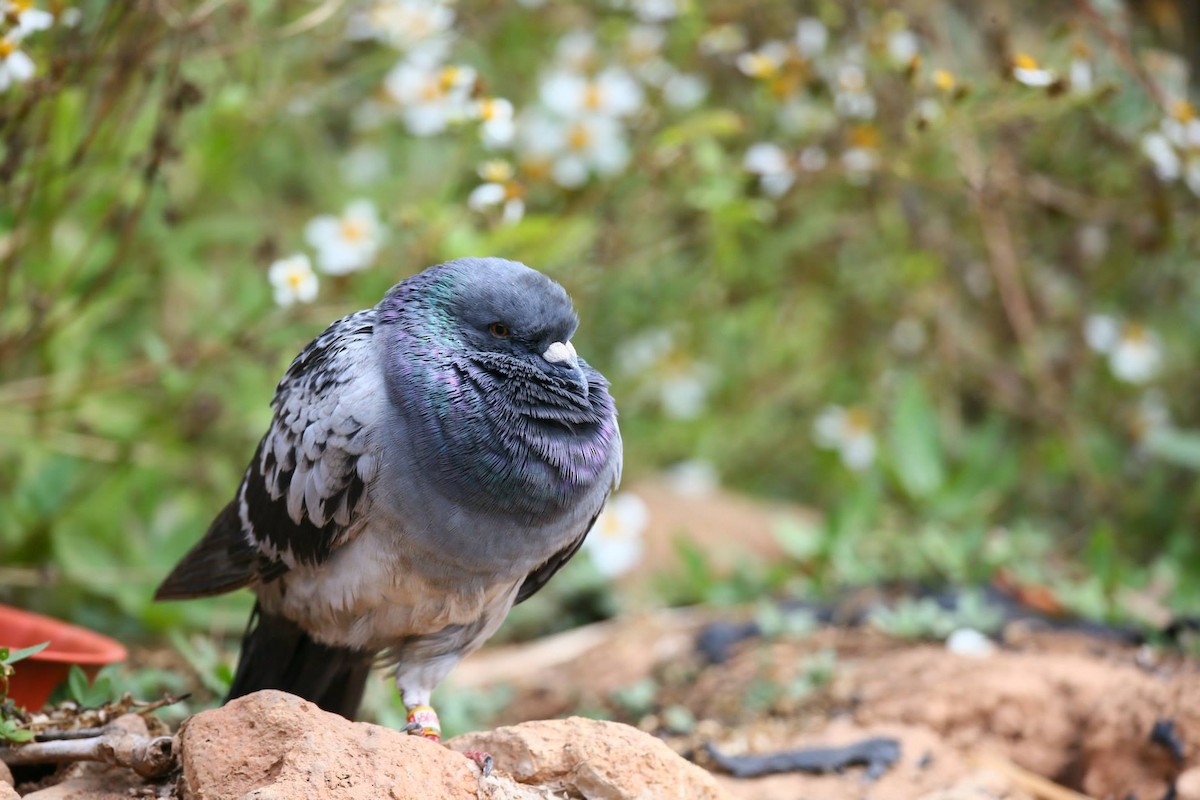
(87, 647)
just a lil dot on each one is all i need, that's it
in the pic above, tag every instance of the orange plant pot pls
(35, 677)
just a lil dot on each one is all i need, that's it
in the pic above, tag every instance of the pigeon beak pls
(563, 354)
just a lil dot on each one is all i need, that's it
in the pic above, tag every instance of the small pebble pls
(970, 642)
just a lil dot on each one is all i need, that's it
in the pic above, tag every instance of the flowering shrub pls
(927, 261)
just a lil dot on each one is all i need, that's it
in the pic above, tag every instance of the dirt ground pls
(1047, 714)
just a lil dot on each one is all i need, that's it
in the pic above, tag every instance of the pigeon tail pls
(278, 654)
(220, 562)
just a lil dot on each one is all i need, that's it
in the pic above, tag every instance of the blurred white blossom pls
(293, 280)
(575, 149)
(1134, 352)
(611, 93)
(772, 166)
(903, 46)
(420, 28)
(15, 65)
(811, 37)
(616, 542)
(1174, 147)
(693, 478)
(497, 125)
(684, 90)
(576, 51)
(852, 97)
(347, 242)
(849, 432)
(1027, 71)
(430, 98)
(499, 190)
(677, 381)
(723, 40)
(27, 18)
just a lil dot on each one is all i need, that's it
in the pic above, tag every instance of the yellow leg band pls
(427, 718)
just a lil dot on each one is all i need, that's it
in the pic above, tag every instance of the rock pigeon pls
(431, 462)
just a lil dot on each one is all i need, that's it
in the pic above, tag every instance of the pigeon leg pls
(423, 721)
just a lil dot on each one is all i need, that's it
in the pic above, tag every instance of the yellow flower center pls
(593, 97)
(760, 66)
(295, 278)
(6, 48)
(857, 421)
(1024, 61)
(353, 230)
(487, 109)
(866, 136)
(497, 171)
(537, 169)
(431, 91)
(1135, 333)
(513, 191)
(450, 77)
(612, 528)
(20, 6)
(943, 79)
(578, 137)
(1183, 111)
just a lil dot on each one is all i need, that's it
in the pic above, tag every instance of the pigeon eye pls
(499, 330)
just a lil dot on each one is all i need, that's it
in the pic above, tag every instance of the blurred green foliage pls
(163, 157)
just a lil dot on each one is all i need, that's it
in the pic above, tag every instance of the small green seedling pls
(11, 729)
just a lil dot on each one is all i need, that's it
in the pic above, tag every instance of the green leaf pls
(77, 684)
(916, 450)
(12, 657)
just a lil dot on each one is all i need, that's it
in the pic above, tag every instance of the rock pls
(593, 759)
(6, 775)
(7, 792)
(272, 744)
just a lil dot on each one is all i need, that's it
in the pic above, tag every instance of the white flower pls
(771, 165)
(70, 16)
(498, 126)
(293, 280)
(859, 163)
(851, 98)
(811, 36)
(576, 51)
(722, 40)
(1101, 332)
(615, 542)
(1136, 356)
(813, 158)
(348, 242)
(765, 62)
(576, 148)
(683, 90)
(1157, 148)
(499, 189)
(693, 478)
(612, 93)
(848, 431)
(1134, 352)
(969, 642)
(656, 10)
(683, 393)
(1080, 75)
(902, 47)
(421, 28)
(430, 98)
(28, 18)
(15, 66)
(1026, 70)
(363, 165)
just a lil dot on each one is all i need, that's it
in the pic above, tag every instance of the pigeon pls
(431, 462)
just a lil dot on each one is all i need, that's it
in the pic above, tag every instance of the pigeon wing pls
(304, 493)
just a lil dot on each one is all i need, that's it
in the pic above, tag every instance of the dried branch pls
(148, 757)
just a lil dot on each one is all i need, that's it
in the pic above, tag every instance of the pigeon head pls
(503, 310)
(480, 364)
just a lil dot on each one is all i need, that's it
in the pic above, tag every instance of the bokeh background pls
(929, 268)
